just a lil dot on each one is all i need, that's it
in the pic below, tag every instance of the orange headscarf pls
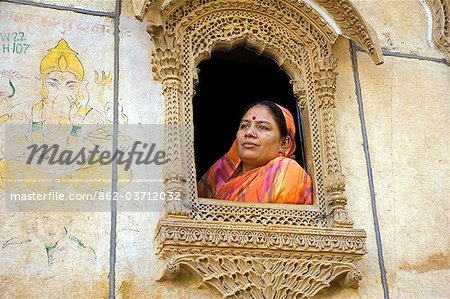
(282, 180)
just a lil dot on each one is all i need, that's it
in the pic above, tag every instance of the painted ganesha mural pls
(70, 111)
(65, 106)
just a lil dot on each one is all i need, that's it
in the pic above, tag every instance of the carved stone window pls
(257, 250)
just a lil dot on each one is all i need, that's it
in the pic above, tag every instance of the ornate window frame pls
(257, 250)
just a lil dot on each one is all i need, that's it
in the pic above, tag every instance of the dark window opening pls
(228, 83)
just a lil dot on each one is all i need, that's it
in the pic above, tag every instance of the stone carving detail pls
(251, 250)
(325, 80)
(166, 69)
(140, 8)
(213, 210)
(290, 238)
(235, 261)
(353, 26)
(264, 278)
(337, 201)
(440, 11)
(299, 93)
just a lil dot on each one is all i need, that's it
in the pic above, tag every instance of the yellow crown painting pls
(62, 58)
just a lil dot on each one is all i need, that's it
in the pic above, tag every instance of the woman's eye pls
(263, 128)
(243, 126)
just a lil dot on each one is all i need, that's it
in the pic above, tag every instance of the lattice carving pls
(251, 250)
(440, 11)
(212, 210)
(253, 31)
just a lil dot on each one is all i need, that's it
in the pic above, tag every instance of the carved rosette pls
(166, 69)
(242, 261)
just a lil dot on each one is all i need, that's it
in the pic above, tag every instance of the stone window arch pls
(232, 245)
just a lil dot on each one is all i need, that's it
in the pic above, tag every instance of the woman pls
(259, 167)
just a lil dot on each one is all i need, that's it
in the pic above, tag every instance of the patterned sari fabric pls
(282, 180)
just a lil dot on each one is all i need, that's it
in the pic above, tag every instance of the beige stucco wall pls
(408, 118)
(406, 110)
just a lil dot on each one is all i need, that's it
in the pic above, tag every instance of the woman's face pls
(258, 138)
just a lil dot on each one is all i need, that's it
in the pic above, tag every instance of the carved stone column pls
(167, 70)
(325, 83)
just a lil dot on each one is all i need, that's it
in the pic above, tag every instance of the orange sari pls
(282, 180)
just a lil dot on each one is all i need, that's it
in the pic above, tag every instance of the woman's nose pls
(250, 132)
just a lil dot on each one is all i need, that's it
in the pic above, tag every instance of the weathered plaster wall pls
(406, 105)
(407, 111)
(52, 254)
(401, 25)
(94, 5)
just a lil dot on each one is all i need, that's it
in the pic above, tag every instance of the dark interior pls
(228, 83)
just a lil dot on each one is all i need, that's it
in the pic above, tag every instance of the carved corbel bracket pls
(142, 7)
(248, 261)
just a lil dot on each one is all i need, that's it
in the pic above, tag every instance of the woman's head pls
(266, 131)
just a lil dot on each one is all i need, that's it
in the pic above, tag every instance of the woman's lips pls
(249, 145)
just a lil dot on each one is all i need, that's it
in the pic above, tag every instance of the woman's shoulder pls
(289, 171)
(293, 181)
(288, 163)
